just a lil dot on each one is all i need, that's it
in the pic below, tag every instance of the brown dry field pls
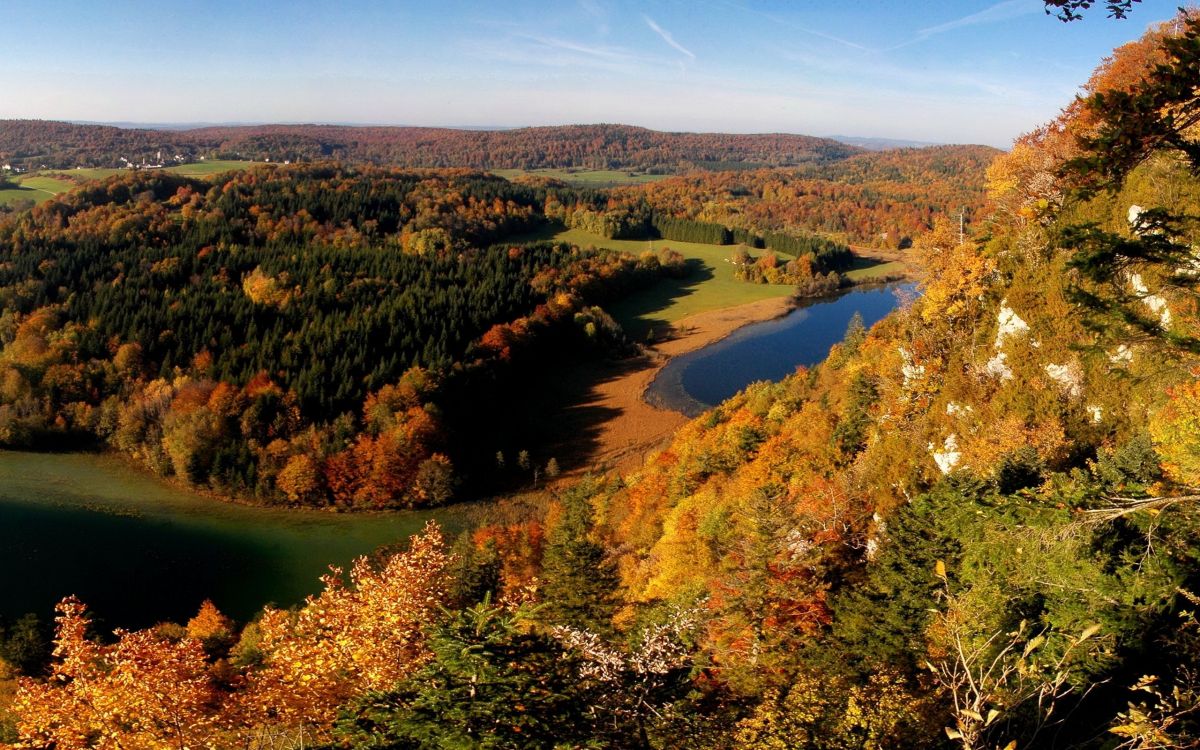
(632, 429)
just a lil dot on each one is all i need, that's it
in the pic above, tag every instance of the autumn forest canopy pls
(59, 145)
(973, 526)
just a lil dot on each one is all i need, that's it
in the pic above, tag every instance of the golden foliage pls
(364, 635)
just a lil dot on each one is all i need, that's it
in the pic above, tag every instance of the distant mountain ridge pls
(33, 144)
(881, 144)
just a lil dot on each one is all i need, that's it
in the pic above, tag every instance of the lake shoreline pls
(641, 427)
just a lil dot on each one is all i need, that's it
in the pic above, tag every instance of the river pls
(139, 551)
(695, 382)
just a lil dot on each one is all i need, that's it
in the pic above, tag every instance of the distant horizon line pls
(877, 140)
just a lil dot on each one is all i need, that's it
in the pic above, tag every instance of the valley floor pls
(636, 428)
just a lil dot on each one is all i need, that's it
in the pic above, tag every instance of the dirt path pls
(636, 428)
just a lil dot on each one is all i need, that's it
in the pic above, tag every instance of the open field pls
(213, 166)
(41, 186)
(36, 188)
(196, 169)
(85, 173)
(868, 269)
(710, 284)
(597, 178)
(871, 263)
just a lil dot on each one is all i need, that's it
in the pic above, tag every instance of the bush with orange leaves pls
(149, 690)
(144, 691)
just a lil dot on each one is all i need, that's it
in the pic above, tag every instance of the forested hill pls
(33, 144)
(878, 198)
(339, 321)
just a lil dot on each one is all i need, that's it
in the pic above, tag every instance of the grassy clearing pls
(36, 188)
(85, 173)
(214, 166)
(709, 285)
(197, 169)
(43, 186)
(595, 178)
(868, 269)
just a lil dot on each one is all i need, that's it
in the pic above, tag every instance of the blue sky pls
(934, 70)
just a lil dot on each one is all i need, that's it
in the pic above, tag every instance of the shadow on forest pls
(637, 312)
(575, 420)
(554, 412)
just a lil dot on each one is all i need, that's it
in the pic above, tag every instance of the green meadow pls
(36, 188)
(196, 169)
(42, 186)
(869, 269)
(709, 285)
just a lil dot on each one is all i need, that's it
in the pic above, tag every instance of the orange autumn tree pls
(353, 637)
(144, 691)
(149, 690)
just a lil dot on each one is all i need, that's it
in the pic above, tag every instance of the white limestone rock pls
(948, 456)
(1010, 324)
(998, 367)
(1068, 377)
(909, 369)
(1157, 304)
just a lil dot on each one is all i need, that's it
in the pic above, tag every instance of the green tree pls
(491, 683)
(24, 646)
(1126, 279)
(476, 573)
(580, 579)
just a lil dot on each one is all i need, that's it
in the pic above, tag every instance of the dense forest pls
(881, 199)
(36, 144)
(290, 333)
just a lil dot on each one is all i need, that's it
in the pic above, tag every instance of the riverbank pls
(91, 525)
(636, 428)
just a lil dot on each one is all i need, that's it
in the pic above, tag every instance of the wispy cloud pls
(597, 13)
(519, 47)
(1004, 11)
(666, 37)
(798, 27)
(601, 52)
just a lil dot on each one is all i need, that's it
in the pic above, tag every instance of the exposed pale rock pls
(1157, 304)
(1122, 356)
(909, 369)
(1068, 377)
(1135, 213)
(998, 367)
(1096, 413)
(948, 456)
(1010, 324)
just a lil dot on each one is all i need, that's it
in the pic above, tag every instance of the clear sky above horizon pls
(931, 70)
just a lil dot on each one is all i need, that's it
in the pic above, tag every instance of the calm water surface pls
(139, 551)
(695, 382)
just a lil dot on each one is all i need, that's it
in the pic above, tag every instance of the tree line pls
(33, 143)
